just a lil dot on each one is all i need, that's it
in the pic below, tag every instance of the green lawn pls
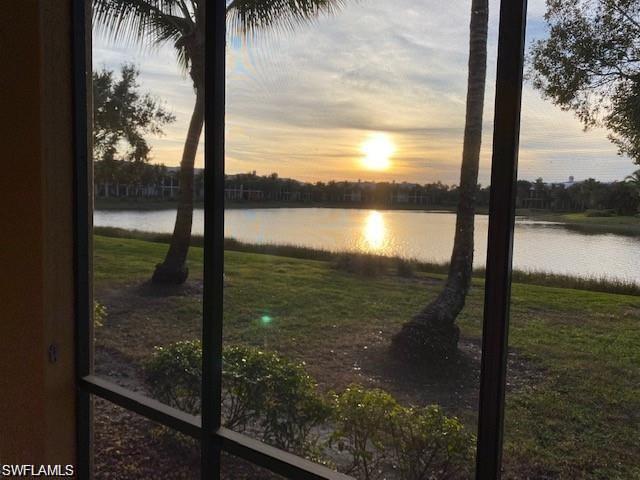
(625, 225)
(574, 379)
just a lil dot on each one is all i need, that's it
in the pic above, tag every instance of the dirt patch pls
(366, 360)
(137, 318)
(114, 366)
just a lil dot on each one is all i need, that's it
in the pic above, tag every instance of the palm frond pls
(633, 178)
(145, 22)
(247, 17)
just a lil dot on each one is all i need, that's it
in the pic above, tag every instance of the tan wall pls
(36, 237)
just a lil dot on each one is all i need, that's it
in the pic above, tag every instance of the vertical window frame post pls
(504, 167)
(81, 22)
(213, 308)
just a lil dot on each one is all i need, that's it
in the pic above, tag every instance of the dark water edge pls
(118, 204)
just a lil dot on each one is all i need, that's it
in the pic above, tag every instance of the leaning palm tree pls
(182, 22)
(433, 333)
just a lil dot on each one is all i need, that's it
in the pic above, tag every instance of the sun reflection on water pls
(374, 232)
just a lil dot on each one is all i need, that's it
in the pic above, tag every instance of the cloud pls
(300, 102)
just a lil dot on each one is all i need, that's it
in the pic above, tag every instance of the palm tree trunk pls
(174, 268)
(433, 333)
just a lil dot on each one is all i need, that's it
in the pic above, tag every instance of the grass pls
(583, 222)
(368, 263)
(574, 373)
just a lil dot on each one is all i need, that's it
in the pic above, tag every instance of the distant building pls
(352, 196)
(243, 194)
(567, 184)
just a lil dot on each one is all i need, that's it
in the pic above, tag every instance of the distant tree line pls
(120, 178)
(621, 198)
(273, 187)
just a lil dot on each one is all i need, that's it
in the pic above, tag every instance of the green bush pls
(361, 418)
(426, 444)
(380, 435)
(99, 314)
(277, 395)
(277, 401)
(262, 392)
(174, 374)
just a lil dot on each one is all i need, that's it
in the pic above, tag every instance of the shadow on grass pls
(155, 290)
(453, 385)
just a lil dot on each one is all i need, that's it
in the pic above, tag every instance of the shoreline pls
(101, 205)
(534, 277)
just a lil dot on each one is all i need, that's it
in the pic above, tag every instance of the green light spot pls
(266, 319)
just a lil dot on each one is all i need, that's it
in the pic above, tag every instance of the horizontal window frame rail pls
(234, 443)
(274, 459)
(142, 405)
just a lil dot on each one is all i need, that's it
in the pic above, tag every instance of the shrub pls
(276, 400)
(265, 390)
(174, 374)
(380, 434)
(262, 392)
(99, 314)
(426, 444)
(360, 263)
(361, 419)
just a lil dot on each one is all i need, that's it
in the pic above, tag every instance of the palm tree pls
(182, 22)
(634, 179)
(433, 334)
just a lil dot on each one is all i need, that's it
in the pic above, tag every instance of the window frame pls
(213, 437)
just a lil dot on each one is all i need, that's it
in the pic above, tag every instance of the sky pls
(304, 103)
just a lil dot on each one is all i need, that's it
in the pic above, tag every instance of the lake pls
(427, 236)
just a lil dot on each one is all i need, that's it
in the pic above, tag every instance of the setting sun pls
(377, 149)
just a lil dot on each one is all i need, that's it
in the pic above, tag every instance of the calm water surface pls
(413, 234)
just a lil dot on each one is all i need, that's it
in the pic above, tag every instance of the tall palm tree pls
(433, 334)
(182, 22)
